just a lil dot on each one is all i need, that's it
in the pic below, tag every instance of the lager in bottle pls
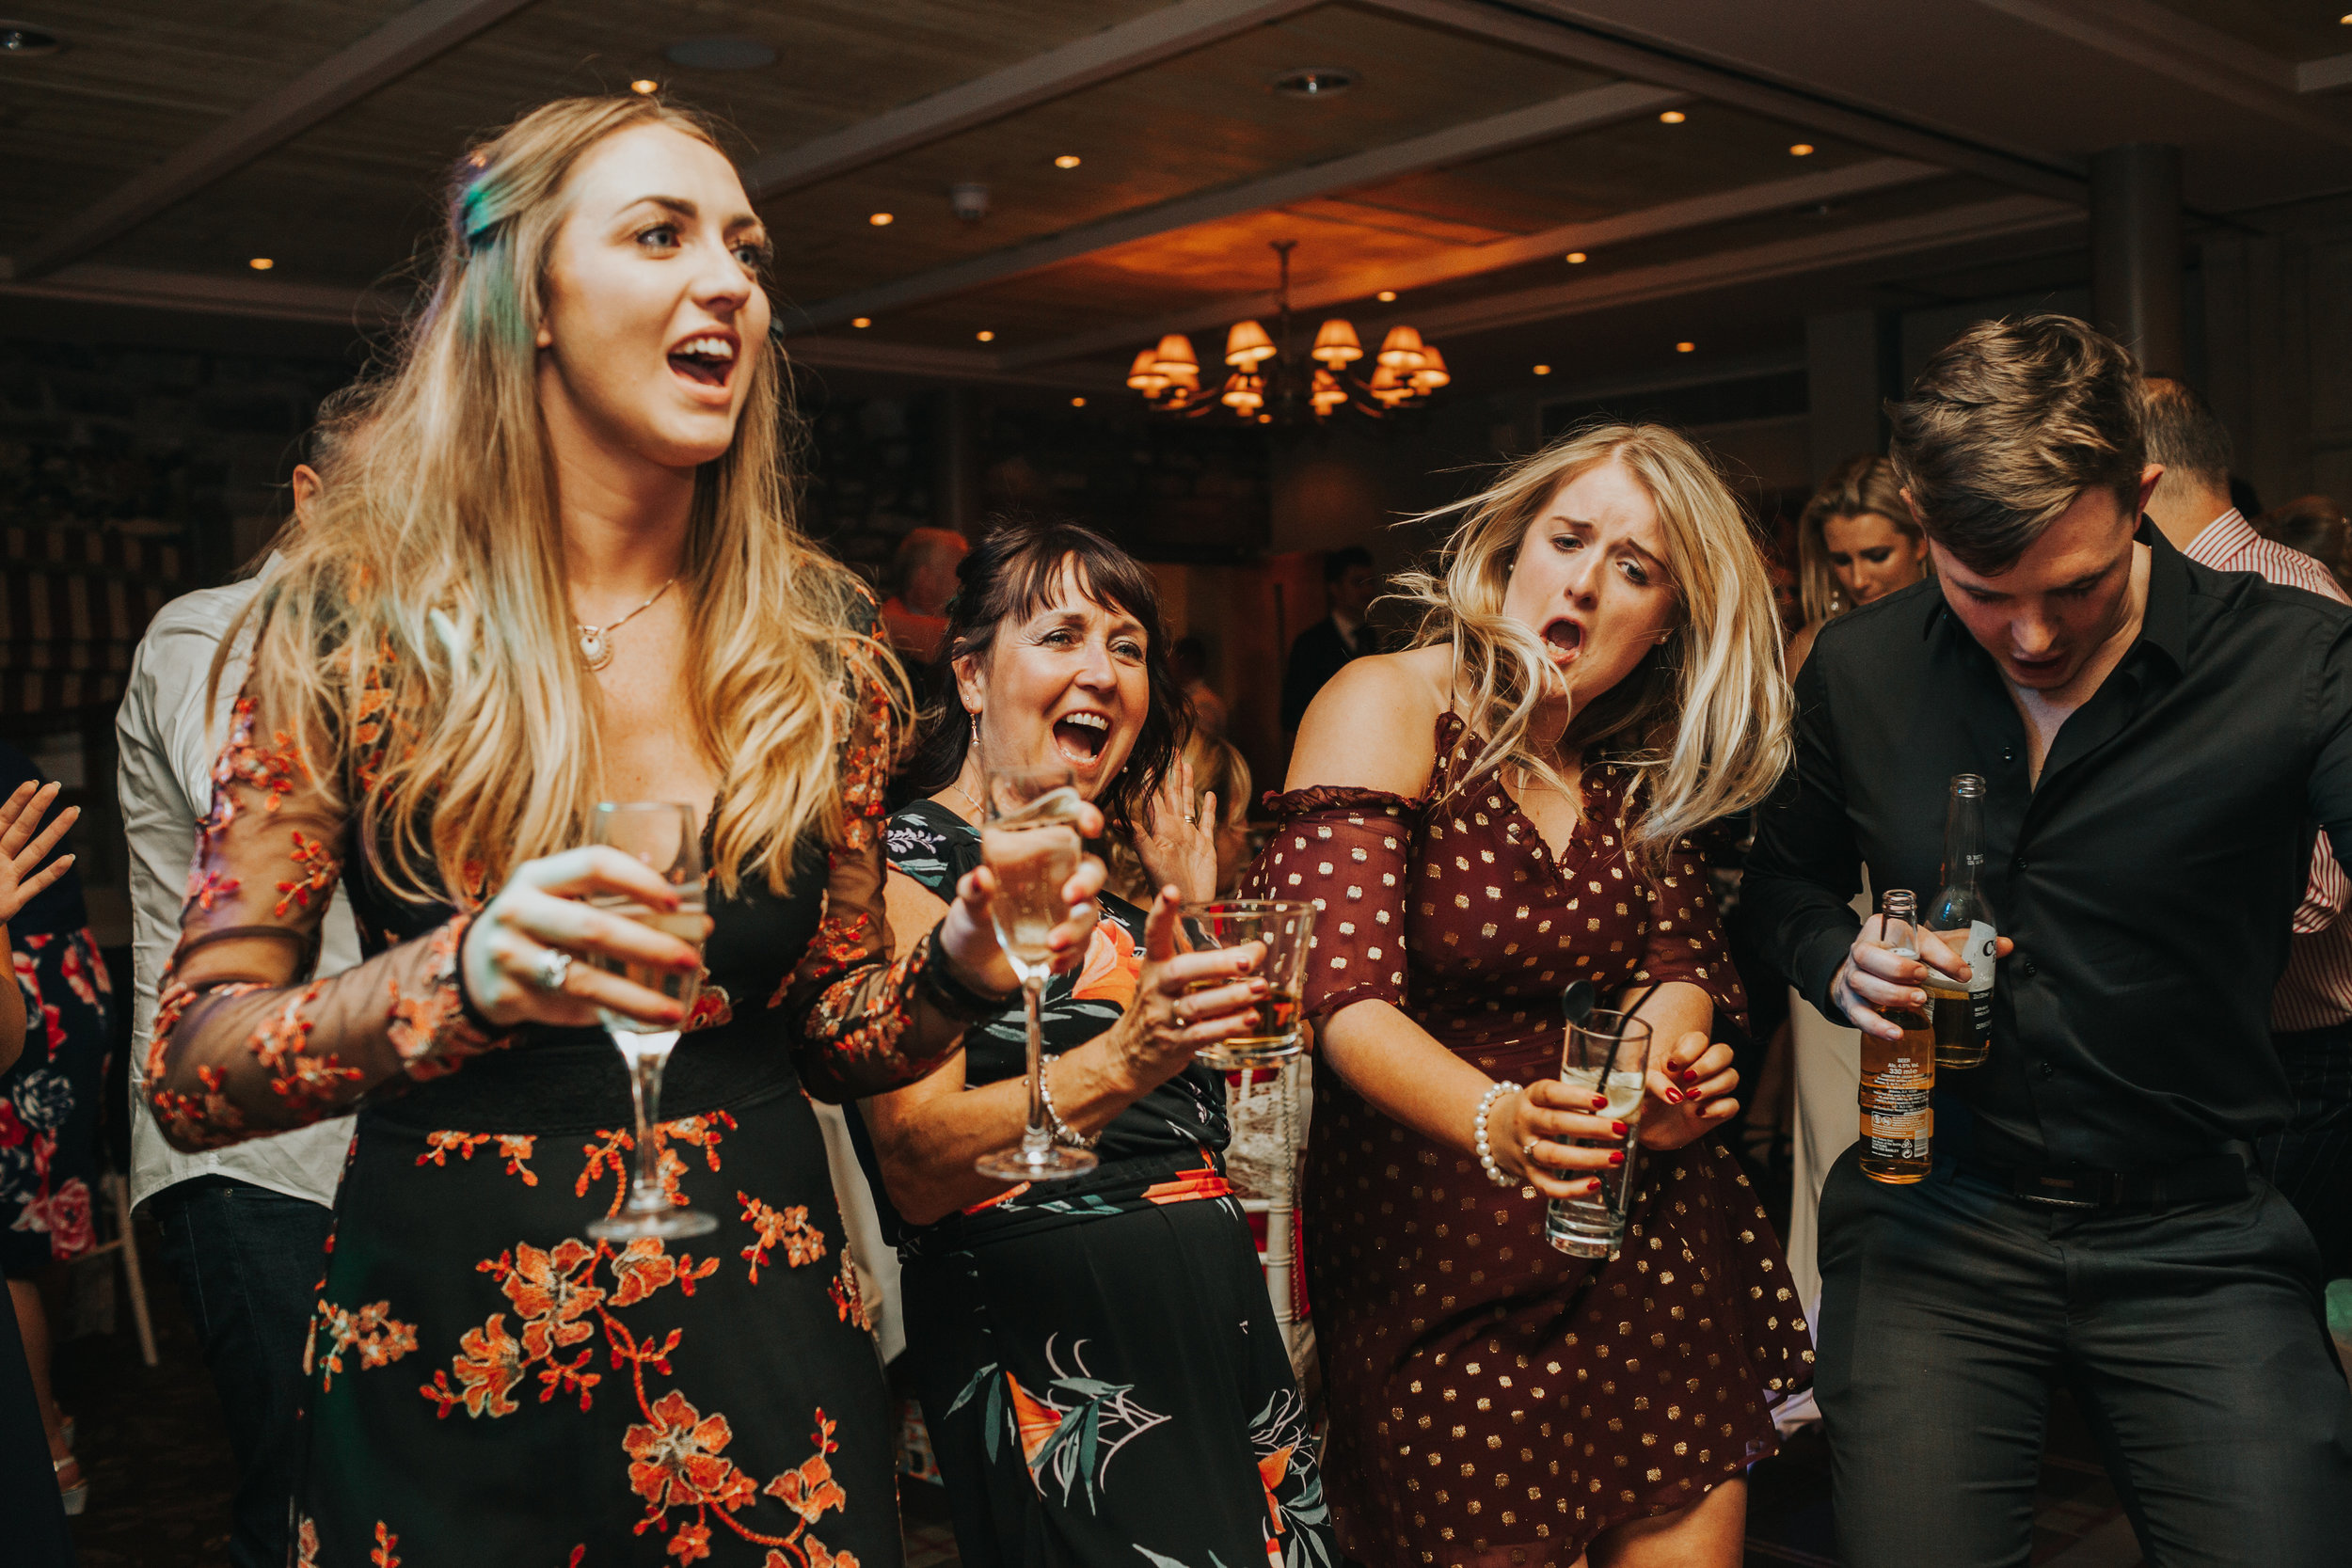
(1898, 1076)
(1962, 1016)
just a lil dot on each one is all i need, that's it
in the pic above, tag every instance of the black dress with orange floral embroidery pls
(1494, 1402)
(489, 1385)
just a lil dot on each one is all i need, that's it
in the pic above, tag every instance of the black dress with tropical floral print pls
(490, 1385)
(1098, 1359)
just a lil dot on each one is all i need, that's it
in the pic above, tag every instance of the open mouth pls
(1081, 736)
(1565, 636)
(706, 360)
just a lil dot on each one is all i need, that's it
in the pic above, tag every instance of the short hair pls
(2183, 432)
(1856, 486)
(2009, 425)
(922, 545)
(1336, 563)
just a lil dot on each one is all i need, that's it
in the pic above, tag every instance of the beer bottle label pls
(1981, 954)
(1899, 1134)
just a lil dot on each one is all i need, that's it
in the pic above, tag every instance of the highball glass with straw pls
(660, 833)
(1605, 1055)
(1029, 840)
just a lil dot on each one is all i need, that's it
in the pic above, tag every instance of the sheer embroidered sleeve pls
(1685, 936)
(1348, 852)
(866, 1025)
(246, 1043)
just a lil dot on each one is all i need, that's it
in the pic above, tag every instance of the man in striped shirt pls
(2311, 1012)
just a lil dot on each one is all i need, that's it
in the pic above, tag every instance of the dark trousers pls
(2310, 1163)
(248, 1260)
(2191, 1336)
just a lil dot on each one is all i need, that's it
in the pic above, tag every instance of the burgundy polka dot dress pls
(1494, 1402)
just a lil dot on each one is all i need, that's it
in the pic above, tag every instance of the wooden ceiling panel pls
(1202, 121)
(138, 79)
(384, 157)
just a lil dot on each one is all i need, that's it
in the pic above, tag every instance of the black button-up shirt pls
(2149, 879)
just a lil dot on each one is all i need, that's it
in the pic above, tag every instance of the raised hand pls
(24, 844)
(1177, 841)
(970, 937)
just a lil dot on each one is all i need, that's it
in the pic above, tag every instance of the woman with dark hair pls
(1097, 1357)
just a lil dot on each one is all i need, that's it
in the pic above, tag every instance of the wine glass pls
(660, 833)
(1029, 840)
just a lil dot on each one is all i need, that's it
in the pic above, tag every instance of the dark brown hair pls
(1009, 575)
(2183, 432)
(2314, 524)
(2008, 424)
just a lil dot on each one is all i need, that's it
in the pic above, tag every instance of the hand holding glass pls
(1029, 841)
(1285, 930)
(660, 834)
(1605, 1056)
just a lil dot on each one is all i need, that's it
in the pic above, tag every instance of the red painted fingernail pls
(1616, 1157)
(1618, 1128)
(1691, 1076)
(1600, 1102)
(1673, 1097)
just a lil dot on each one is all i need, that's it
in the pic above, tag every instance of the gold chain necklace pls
(595, 642)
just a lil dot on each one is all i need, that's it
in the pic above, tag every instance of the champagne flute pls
(660, 833)
(1030, 841)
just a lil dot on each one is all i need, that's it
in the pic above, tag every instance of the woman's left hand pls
(1177, 842)
(1688, 1092)
(24, 844)
(970, 937)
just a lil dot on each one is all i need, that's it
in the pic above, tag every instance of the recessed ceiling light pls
(1685, 347)
(720, 54)
(1315, 81)
(1385, 295)
(1068, 159)
(1543, 370)
(1802, 150)
(1576, 257)
(861, 323)
(1265, 419)
(261, 263)
(644, 84)
(20, 42)
(1077, 403)
(881, 220)
(985, 336)
(1672, 117)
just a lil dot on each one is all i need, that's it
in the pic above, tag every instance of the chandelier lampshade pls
(1433, 373)
(1401, 349)
(1326, 394)
(1336, 343)
(1386, 388)
(1247, 344)
(1244, 393)
(1144, 375)
(1174, 356)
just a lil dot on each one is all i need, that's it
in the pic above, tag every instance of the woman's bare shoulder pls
(1375, 726)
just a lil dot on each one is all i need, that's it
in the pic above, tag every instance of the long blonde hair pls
(1703, 721)
(419, 629)
(1856, 486)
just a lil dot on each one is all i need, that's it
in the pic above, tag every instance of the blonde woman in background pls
(1497, 812)
(563, 569)
(1855, 545)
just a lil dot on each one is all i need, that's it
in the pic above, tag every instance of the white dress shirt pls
(165, 779)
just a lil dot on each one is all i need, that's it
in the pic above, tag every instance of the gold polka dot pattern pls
(1492, 1401)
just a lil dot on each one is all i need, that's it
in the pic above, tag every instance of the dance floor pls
(160, 1472)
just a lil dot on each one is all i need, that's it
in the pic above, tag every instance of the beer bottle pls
(1898, 1076)
(1963, 1016)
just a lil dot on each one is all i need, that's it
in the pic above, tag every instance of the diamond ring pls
(555, 967)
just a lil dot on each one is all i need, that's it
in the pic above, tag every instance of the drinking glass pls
(1286, 930)
(660, 833)
(1611, 1049)
(1029, 840)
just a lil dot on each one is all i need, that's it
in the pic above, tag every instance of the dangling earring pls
(976, 728)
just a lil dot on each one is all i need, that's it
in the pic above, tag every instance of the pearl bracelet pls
(1486, 1155)
(1063, 1132)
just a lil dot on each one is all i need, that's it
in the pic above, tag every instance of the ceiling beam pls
(1974, 223)
(2323, 75)
(1561, 37)
(1156, 35)
(1455, 144)
(1669, 217)
(384, 55)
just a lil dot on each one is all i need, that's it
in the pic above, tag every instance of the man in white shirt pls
(245, 1229)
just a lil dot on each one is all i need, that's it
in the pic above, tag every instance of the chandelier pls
(1265, 382)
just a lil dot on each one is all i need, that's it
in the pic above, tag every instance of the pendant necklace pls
(595, 642)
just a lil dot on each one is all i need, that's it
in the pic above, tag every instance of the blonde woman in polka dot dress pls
(1485, 818)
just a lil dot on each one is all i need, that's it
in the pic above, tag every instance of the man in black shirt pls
(2156, 740)
(1349, 584)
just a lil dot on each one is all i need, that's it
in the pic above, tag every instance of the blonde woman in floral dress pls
(563, 569)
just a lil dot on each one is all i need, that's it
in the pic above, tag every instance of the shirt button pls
(2048, 1071)
(2027, 966)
